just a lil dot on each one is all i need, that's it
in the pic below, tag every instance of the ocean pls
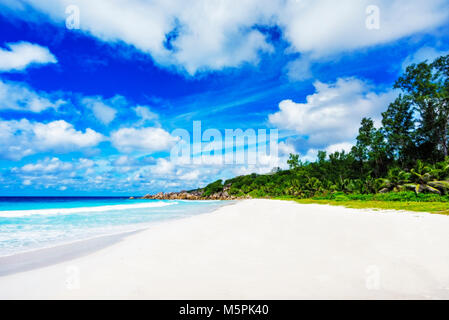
(30, 223)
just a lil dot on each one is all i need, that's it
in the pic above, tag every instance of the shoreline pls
(48, 256)
(90, 244)
(257, 249)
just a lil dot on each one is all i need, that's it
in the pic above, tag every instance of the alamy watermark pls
(372, 21)
(72, 281)
(72, 20)
(249, 147)
(373, 278)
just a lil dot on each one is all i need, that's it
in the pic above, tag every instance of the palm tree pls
(343, 185)
(441, 170)
(313, 185)
(422, 179)
(396, 180)
(294, 188)
(371, 185)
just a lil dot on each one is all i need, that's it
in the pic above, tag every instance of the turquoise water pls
(33, 223)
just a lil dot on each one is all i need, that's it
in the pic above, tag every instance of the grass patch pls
(404, 196)
(431, 207)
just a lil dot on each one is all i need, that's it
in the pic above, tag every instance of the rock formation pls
(195, 195)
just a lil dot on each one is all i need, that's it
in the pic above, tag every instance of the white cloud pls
(150, 139)
(20, 55)
(285, 148)
(249, 169)
(85, 163)
(332, 114)
(190, 176)
(162, 167)
(103, 112)
(299, 69)
(312, 154)
(325, 27)
(145, 114)
(123, 161)
(18, 96)
(339, 147)
(205, 35)
(125, 173)
(47, 165)
(106, 109)
(423, 54)
(62, 135)
(23, 138)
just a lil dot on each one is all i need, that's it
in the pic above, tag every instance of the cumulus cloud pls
(106, 110)
(205, 35)
(123, 160)
(102, 111)
(124, 173)
(62, 135)
(47, 165)
(332, 114)
(299, 69)
(149, 139)
(163, 167)
(339, 147)
(145, 114)
(194, 35)
(312, 154)
(18, 96)
(53, 173)
(190, 176)
(286, 148)
(324, 27)
(423, 54)
(23, 138)
(20, 55)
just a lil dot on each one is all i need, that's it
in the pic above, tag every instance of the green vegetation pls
(404, 164)
(432, 207)
(212, 188)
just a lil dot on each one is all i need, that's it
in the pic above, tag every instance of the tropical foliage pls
(406, 156)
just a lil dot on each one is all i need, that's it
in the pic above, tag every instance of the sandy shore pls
(255, 249)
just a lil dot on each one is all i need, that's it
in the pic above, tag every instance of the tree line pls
(409, 151)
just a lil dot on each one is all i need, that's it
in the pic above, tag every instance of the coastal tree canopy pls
(408, 152)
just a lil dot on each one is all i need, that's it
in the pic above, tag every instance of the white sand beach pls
(254, 249)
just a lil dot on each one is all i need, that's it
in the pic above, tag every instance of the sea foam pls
(118, 207)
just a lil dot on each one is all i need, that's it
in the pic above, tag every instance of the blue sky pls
(90, 110)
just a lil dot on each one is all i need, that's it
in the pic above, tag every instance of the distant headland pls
(207, 193)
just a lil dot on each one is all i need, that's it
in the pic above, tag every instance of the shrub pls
(212, 188)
